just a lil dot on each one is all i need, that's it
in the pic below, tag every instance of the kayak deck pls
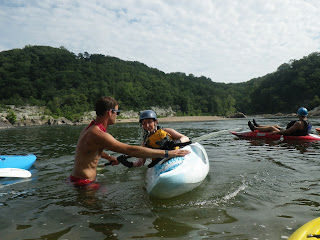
(17, 161)
(178, 175)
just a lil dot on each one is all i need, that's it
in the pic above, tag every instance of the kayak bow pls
(178, 175)
(17, 161)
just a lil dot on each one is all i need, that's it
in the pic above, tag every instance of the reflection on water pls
(254, 190)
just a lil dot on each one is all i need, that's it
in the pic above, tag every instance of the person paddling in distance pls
(299, 127)
(94, 139)
(153, 136)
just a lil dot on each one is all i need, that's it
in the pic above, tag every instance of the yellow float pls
(309, 231)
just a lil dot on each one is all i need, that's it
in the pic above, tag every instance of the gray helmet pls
(147, 114)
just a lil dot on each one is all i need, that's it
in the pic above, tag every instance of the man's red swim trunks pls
(83, 183)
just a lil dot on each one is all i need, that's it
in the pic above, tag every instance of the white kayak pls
(178, 175)
(14, 172)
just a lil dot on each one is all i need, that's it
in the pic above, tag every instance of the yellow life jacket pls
(158, 139)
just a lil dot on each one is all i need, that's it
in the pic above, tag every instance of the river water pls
(254, 190)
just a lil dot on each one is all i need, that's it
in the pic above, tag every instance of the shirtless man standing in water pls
(94, 139)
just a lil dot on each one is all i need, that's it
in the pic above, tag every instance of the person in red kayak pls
(94, 139)
(299, 127)
(153, 136)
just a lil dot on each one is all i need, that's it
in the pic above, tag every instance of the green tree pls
(11, 116)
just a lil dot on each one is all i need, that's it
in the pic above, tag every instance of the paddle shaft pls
(207, 136)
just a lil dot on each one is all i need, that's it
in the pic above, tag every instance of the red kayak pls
(267, 136)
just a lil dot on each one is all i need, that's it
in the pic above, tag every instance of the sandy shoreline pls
(178, 119)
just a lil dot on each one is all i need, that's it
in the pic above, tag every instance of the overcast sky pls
(224, 40)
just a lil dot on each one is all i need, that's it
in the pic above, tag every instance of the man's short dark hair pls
(103, 104)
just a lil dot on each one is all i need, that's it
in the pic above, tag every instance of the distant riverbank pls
(178, 119)
(32, 116)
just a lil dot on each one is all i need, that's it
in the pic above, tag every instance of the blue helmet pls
(302, 112)
(147, 114)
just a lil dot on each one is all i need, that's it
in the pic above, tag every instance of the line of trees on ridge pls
(68, 85)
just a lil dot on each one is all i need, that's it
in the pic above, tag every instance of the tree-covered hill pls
(293, 85)
(69, 84)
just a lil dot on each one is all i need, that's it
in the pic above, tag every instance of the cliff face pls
(315, 112)
(33, 115)
(22, 116)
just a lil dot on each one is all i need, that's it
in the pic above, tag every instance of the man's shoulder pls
(94, 133)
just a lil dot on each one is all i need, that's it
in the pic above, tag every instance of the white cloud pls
(225, 40)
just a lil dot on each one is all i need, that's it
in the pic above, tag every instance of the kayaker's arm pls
(109, 142)
(295, 127)
(176, 135)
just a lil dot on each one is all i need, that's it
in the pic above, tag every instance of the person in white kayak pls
(300, 127)
(153, 136)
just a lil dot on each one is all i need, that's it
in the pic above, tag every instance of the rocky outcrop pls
(315, 112)
(59, 121)
(5, 124)
(164, 112)
(32, 115)
(237, 115)
(23, 116)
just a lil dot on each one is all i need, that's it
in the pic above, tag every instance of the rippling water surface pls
(254, 190)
